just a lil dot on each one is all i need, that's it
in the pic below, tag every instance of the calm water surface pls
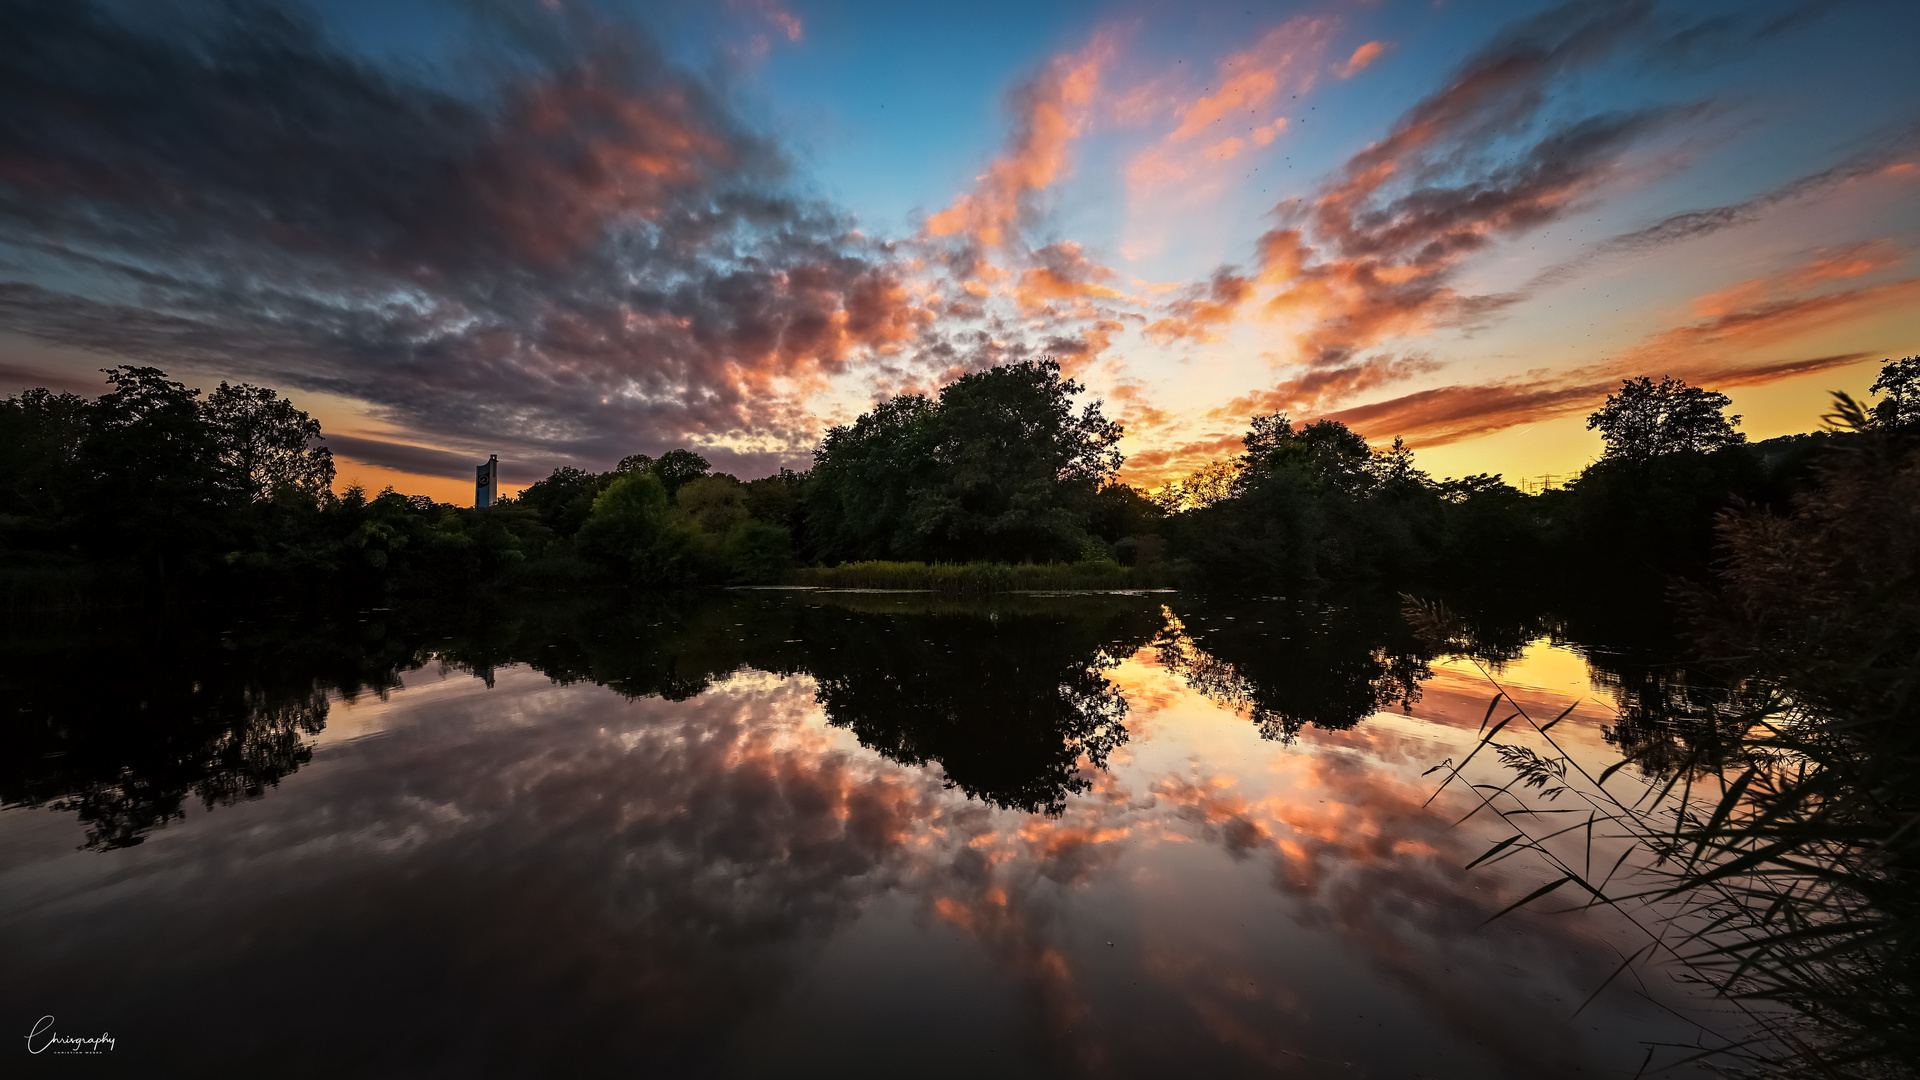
(790, 834)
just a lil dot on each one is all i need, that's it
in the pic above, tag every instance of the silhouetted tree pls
(1899, 380)
(677, 468)
(266, 442)
(160, 486)
(1645, 420)
(43, 436)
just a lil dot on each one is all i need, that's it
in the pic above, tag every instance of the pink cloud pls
(1362, 58)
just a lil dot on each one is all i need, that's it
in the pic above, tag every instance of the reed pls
(1776, 857)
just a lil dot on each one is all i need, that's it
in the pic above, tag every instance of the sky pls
(563, 231)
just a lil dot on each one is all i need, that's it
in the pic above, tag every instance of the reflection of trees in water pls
(1287, 664)
(1006, 696)
(1673, 720)
(122, 727)
(241, 753)
(1006, 705)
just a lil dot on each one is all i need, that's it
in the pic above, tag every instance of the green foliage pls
(715, 503)
(633, 532)
(1001, 466)
(151, 483)
(756, 552)
(564, 499)
(1312, 504)
(864, 479)
(678, 468)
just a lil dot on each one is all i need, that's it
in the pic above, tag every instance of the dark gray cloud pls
(572, 250)
(1694, 224)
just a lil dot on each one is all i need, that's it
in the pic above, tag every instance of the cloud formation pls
(1050, 112)
(1243, 104)
(585, 255)
(1362, 59)
(1377, 253)
(1758, 317)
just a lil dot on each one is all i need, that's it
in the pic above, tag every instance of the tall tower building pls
(486, 484)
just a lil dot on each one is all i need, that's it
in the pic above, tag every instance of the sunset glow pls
(563, 232)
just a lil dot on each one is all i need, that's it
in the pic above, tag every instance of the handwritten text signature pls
(43, 1039)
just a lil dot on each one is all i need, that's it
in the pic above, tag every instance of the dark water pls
(796, 834)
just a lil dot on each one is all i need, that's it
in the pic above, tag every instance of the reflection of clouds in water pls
(662, 855)
(652, 871)
(1343, 823)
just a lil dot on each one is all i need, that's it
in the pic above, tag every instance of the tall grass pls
(975, 578)
(1778, 858)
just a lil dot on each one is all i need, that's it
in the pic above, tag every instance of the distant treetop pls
(1646, 420)
(1900, 381)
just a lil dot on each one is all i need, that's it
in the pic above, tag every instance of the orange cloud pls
(1376, 253)
(1765, 312)
(1063, 273)
(1153, 467)
(1246, 92)
(1204, 308)
(1849, 262)
(1318, 386)
(1715, 350)
(1052, 112)
(1362, 58)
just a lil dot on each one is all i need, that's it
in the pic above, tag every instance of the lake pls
(789, 833)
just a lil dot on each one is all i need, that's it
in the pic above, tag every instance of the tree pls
(1015, 469)
(42, 436)
(632, 530)
(677, 468)
(1900, 381)
(715, 503)
(1205, 486)
(158, 483)
(564, 499)
(863, 478)
(1647, 420)
(1395, 473)
(1325, 455)
(264, 441)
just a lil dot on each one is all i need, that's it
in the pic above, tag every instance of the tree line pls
(155, 485)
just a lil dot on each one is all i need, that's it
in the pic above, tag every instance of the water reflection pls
(1008, 706)
(805, 834)
(123, 723)
(1008, 698)
(1289, 664)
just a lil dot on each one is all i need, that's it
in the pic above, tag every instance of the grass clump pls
(974, 578)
